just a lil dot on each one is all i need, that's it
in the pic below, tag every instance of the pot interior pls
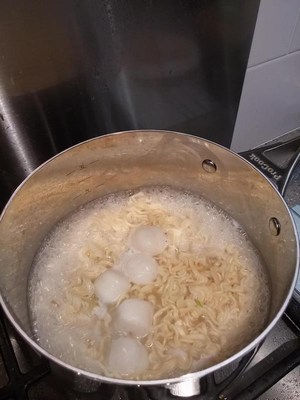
(131, 160)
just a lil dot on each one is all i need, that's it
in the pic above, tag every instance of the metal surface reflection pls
(71, 70)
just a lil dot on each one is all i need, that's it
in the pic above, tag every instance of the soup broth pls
(199, 299)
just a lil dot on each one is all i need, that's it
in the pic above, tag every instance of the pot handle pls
(276, 160)
(206, 386)
(186, 388)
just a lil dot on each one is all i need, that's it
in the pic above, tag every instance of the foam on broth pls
(211, 296)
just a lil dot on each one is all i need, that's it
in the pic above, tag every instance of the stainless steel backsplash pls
(71, 70)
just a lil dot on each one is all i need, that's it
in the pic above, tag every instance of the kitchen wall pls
(270, 101)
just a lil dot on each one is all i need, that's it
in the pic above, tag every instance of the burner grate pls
(17, 374)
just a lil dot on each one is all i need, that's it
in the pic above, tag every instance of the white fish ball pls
(127, 356)
(110, 285)
(149, 240)
(134, 316)
(140, 268)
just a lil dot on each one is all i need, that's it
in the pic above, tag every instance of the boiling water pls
(75, 340)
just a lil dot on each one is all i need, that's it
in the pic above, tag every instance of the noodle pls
(210, 296)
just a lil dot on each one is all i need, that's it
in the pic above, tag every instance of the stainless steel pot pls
(129, 160)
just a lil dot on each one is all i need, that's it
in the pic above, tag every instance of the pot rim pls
(166, 381)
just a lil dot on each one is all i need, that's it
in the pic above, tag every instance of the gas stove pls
(273, 372)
